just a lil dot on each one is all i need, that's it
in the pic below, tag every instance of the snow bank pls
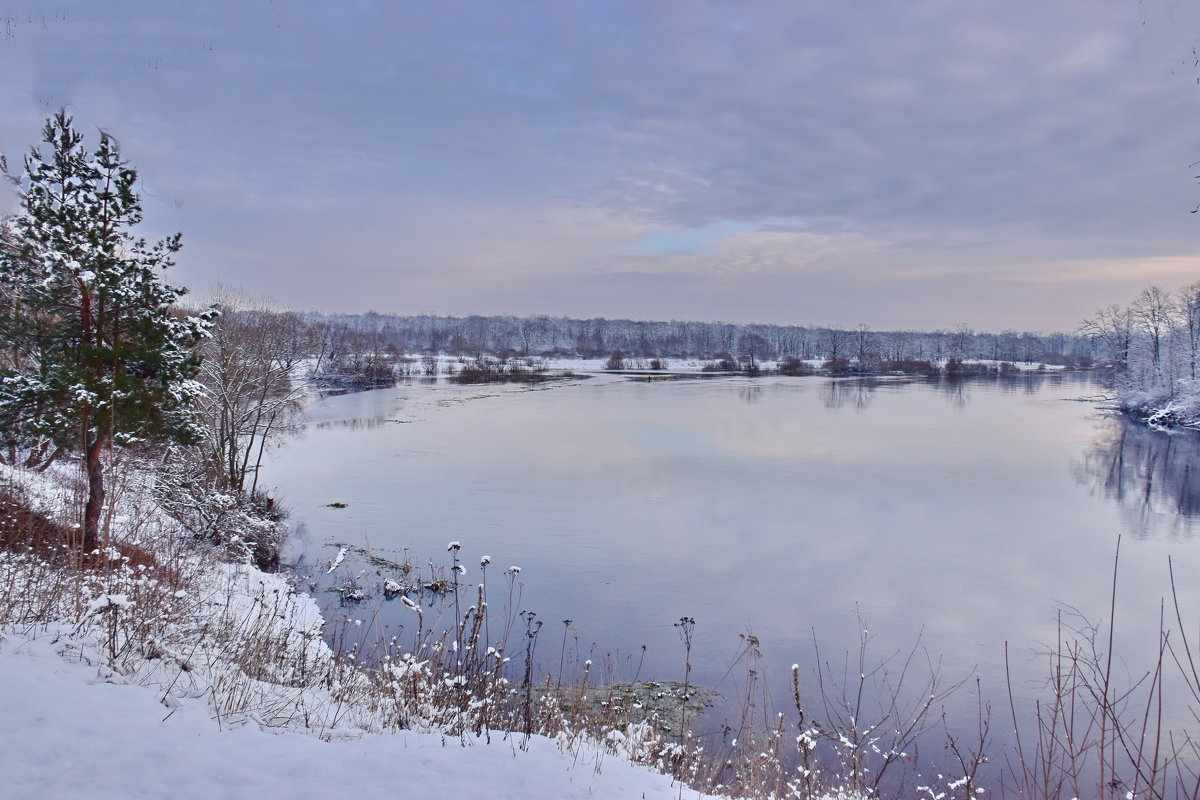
(1159, 408)
(76, 730)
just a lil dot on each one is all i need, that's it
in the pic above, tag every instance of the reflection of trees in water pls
(750, 394)
(1154, 476)
(356, 423)
(957, 388)
(858, 392)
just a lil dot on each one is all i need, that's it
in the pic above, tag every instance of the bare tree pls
(1153, 313)
(1112, 329)
(752, 347)
(960, 341)
(863, 340)
(1189, 312)
(836, 341)
(251, 369)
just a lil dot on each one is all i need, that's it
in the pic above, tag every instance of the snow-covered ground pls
(193, 677)
(1162, 409)
(75, 729)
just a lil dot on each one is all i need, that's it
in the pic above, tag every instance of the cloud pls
(545, 146)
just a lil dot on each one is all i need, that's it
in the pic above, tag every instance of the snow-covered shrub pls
(1159, 407)
(247, 527)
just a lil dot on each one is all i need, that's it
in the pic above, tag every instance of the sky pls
(914, 164)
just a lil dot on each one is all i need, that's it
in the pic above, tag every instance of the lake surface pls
(965, 514)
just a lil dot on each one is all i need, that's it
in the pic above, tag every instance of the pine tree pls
(94, 355)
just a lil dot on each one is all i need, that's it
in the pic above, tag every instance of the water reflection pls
(855, 392)
(355, 424)
(629, 505)
(750, 394)
(858, 393)
(1151, 474)
(956, 390)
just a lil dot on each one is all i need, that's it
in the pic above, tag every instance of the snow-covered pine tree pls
(94, 356)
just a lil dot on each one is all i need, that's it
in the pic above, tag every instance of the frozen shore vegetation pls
(1152, 347)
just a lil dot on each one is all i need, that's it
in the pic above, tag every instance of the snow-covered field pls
(75, 729)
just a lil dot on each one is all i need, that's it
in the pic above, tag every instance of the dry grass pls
(1099, 736)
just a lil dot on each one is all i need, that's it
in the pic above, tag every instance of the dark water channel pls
(968, 515)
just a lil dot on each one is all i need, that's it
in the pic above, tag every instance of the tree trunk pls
(95, 502)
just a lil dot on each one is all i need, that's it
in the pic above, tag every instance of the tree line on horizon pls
(598, 337)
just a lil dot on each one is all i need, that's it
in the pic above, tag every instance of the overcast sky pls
(903, 164)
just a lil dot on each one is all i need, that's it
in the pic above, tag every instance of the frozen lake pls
(967, 514)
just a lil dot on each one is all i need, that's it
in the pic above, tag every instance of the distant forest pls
(598, 337)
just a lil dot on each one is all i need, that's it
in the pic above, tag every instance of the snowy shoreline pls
(75, 729)
(448, 365)
(198, 678)
(1162, 412)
